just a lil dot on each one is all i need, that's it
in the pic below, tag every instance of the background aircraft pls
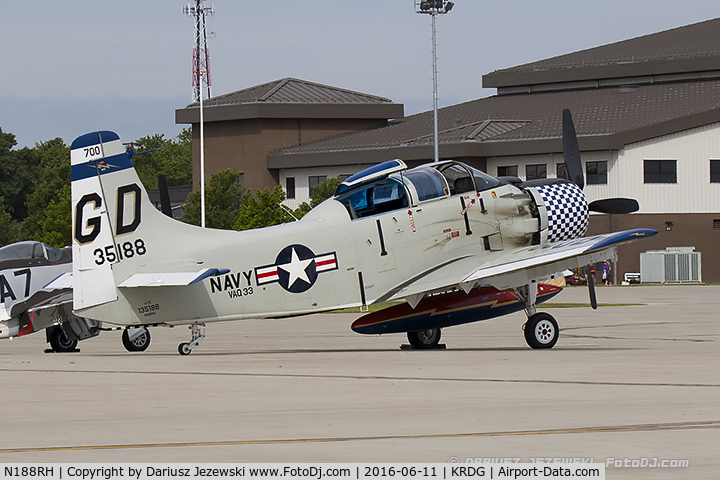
(442, 233)
(27, 307)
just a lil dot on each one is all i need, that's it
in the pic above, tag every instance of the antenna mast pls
(201, 62)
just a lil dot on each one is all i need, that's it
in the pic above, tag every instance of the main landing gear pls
(198, 334)
(60, 342)
(424, 339)
(136, 339)
(541, 330)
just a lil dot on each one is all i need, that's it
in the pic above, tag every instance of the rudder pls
(91, 156)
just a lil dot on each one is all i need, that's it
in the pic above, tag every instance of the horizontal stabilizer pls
(170, 279)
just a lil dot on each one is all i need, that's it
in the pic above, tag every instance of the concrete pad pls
(636, 382)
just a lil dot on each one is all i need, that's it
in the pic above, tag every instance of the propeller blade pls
(164, 196)
(591, 287)
(571, 151)
(614, 205)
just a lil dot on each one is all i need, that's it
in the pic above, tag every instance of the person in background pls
(606, 272)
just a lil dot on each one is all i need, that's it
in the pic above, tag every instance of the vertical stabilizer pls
(92, 156)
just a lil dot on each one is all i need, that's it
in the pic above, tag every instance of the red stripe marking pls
(271, 273)
(29, 329)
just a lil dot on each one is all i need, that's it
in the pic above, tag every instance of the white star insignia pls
(296, 269)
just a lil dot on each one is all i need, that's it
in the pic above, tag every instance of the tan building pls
(646, 110)
(242, 128)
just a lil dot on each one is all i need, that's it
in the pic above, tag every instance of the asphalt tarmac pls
(630, 384)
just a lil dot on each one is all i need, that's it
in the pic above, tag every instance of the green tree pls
(263, 210)
(229, 206)
(320, 193)
(223, 198)
(9, 230)
(168, 157)
(18, 171)
(49, 213)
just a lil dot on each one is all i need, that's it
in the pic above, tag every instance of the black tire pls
(541, 331)
(183, 349)
(139, 343)
(60, 343)
(424, 339)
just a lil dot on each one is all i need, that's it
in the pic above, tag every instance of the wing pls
(514, 268)
(54, 293)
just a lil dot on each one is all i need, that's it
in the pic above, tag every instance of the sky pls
(86, 65)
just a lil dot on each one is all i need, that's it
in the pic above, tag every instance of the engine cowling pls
(562, 209)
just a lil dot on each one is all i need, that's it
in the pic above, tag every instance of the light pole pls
(202, 159)
(434, 8)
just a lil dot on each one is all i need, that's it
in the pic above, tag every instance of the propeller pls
(614, 205)
(591, 287)
(574, 173)
(164, 196)
(571, 151)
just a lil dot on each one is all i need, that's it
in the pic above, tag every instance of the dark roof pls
(678, 88)
(606, 118)
(690, 48)
(291, 98)
(292, 90)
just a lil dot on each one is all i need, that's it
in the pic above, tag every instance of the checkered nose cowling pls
(567, 211)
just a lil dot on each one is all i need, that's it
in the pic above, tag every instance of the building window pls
(714, 171)
(596, 173)
(290, 187)
(536, 172)
(716, 223)
(241, 179)
(314, 181)
(507, 171)
(560, 171)
(660, 171)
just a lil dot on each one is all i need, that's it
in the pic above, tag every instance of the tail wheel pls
(424, 339)
(541, 331)
(139, 342)
(60, 343)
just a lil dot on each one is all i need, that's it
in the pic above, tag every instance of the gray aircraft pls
(26, 306)
(453, 243)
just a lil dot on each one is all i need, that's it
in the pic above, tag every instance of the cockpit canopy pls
(391, 186)
(30, 251)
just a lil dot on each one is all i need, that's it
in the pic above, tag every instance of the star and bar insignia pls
(296, 268)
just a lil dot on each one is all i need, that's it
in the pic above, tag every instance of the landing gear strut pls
(198, 334)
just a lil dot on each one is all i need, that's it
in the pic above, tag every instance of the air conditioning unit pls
(672, 265)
